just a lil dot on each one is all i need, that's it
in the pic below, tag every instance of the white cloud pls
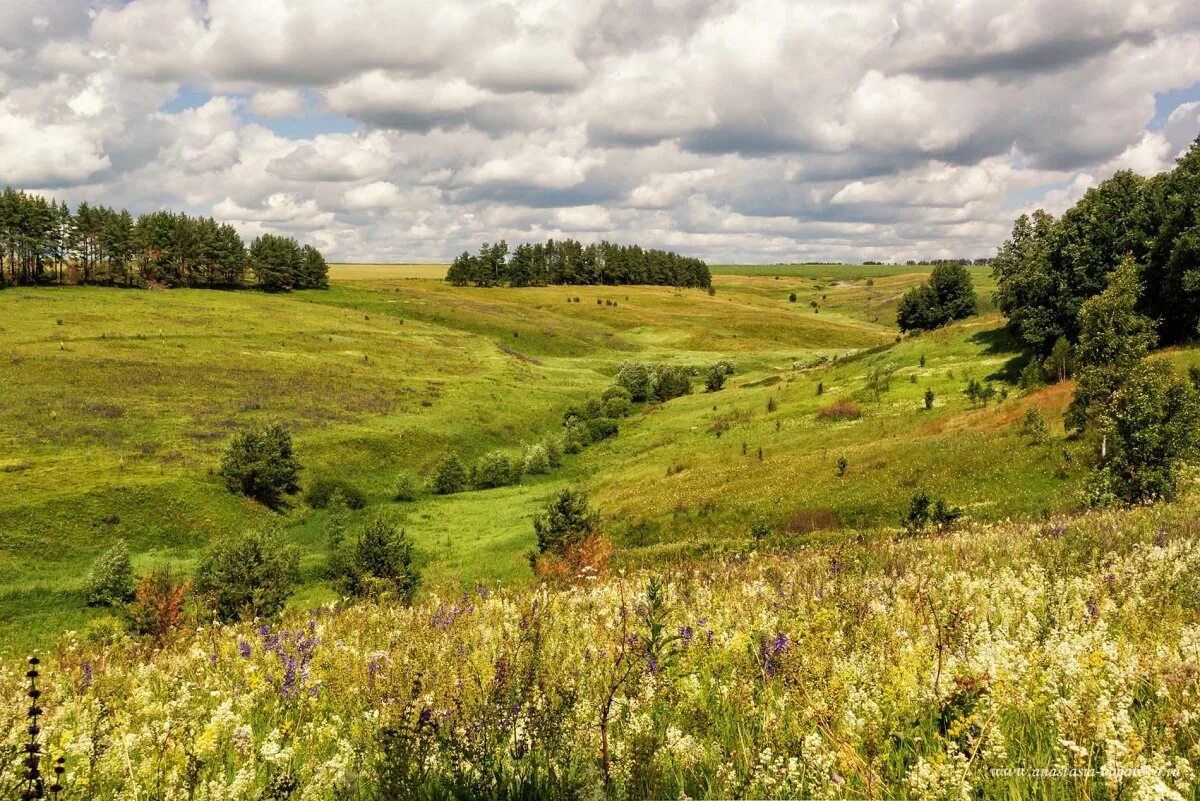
(735, 129)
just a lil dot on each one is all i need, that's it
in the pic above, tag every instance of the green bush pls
(635, 378)
(450, 475)
(376, 563)
(111, 581)
(536, 459)
(323, 489)
(716, 374)
(617, 407)
(924, 511)
(248, 575)
(406, 488)
(599, 428)
(616, 391)
(671, 381)
(496, 469)
(260, 464)
(567, 520)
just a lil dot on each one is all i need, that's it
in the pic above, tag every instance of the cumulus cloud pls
(749, 130)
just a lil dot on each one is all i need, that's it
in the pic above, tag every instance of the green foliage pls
(567, 261)
(636, 379)
(567, 520)
(928, 399)
(261, 464)
(406, 488)
(1149, 427)
(111, 581)
(324, 488)
(924, 511)
(978, 392)
(279, 262)
(1060, 364)
(378, 562)
(1113, 337)
(536, 459)
(248, 575)
(617, 407)
(1033, 425)
(842, 465)
(496, 469)
(670, 381)
(947, 296)
(450, 476)
(716, 374)
(879, 378)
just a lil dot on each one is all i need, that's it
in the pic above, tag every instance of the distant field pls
(384, 272)
(847, 271)
(117, 405)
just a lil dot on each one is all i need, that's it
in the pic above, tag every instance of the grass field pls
(117, 405)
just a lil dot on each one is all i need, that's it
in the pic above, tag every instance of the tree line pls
(42, 242)
(1049, 267)
(568, 261)
(1089, 295)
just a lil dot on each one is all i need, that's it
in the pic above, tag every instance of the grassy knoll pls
(118, 404)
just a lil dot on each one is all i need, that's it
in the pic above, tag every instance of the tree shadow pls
(999, 341)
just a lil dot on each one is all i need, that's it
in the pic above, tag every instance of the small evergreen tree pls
(248, 575)
(111, 581)
(567, 520)
(260, 464)
(450, 475)
(378, 562)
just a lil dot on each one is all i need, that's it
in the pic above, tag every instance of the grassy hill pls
(117, 405)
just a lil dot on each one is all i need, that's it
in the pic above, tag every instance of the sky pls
(733, 130)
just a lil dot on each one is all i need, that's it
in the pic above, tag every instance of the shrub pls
(928, 399)
(568, 519)
(671, 381)
(772, 404)
(635, 378)
(1033, 425)
(111, 581)
(792, 298)
(323, 489)
(879, 378)
(157, 606)
(495, 469)
(616, 408)
(554, 450)
(450, 475)
(406, 488)
(844, 409)
(536, 460)
(616, 391)
(378, 562)
(717, 373)
(924, 510)
(842, 464)
(599, 428)
(260, 464)
(248, 575)
(569, 538)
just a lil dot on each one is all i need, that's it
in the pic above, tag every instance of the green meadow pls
(115, 407)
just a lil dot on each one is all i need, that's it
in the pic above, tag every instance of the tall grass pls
(918, 668)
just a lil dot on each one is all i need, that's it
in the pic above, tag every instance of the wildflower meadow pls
(1056, 659)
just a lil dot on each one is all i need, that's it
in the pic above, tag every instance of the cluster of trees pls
(964, 262)
(1090, 295)
(947, 295)
(42, 241)
(1049, 267)
(569, 262)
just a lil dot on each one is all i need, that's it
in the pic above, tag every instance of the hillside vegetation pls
(114, 419)
(876, 668)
